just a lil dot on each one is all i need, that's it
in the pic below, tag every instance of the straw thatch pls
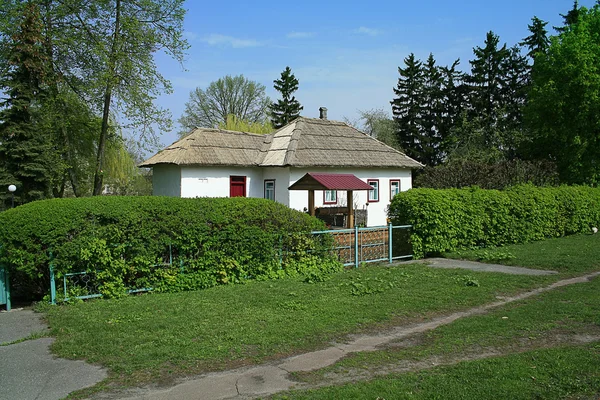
(305, 142)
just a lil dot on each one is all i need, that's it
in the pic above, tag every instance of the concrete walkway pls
(29, 370)
(477, 266)
(268, 379)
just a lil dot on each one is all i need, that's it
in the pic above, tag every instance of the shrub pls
(453, 219)
(487, 175)
(127, 240)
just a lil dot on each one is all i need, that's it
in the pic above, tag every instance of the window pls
(373, 194)
(330, 197)
(394, 187)
(270, 189)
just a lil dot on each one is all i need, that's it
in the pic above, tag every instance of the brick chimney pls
(323, 113)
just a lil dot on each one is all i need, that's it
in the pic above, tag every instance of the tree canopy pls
(230, 95)
(563, 111)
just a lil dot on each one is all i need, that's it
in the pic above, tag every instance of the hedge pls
(213, 241)
(453, 219)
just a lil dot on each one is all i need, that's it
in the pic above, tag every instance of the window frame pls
(266, 181)
(325, 197)
(399, 187)
(377, 191)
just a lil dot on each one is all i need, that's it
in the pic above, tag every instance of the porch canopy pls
(320, 181)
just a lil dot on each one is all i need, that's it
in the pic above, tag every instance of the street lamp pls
(12, 189)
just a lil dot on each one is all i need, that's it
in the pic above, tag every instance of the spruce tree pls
(487, 81)
(288, 108)
(538, 41)
(570, 18)
(27, 158)
(455, 101)
(407, 108)
(514, 95)
(432, 112)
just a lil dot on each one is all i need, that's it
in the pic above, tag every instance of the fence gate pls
(4, 288)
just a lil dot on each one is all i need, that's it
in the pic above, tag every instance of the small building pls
(220, 163)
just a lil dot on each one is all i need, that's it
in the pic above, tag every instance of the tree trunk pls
(98, 176)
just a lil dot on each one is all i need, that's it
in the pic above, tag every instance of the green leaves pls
(453, 219)
(128, 242)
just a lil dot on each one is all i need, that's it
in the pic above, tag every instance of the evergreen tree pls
(487, 82)
(407, 108)
(288, 108)
(455, 98)
(27, 158)
(514, 95)
(432, 112)
(570, 18)
(538, 40)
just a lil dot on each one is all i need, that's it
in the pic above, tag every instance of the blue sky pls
(345, 54)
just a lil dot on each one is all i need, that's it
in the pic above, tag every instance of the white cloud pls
(300, 35)
(363, 30)
(215, 39)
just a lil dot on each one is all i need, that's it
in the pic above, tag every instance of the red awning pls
(320, 181)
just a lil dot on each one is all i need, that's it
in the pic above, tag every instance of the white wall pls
(166, 180)
(282, 182)
(214, 181)
(377, 211)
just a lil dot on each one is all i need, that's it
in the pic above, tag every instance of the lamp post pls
(12, 189)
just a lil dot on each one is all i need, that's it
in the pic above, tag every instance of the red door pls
(237, 186)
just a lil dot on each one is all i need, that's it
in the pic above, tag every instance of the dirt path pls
(268, 379)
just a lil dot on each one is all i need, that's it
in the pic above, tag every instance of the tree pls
(455, 96)
(432, 112)
(101, 58)
(239, 125)
(570, 18)
(125, 35)
(487, 81)
(27, 156)
(378, 124)
(237, 95)
(288, 108)
(407, 108)
(538, 41)
(563, 107)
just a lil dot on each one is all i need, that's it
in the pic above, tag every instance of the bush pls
(126, 240)
(487, 175)
(453, 219)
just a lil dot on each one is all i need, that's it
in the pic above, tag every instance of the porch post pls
(311, 202)
(350, 201)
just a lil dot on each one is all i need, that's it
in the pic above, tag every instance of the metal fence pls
(373, 244)
(349, 246)
(85, 284)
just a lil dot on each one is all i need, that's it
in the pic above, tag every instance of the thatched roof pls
(305, 142)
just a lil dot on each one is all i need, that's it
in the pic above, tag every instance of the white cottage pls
(220, 163)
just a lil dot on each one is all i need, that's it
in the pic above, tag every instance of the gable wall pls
(166, 180)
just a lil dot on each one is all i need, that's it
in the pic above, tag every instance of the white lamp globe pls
(12, 188)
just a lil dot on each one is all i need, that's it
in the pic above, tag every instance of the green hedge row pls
(452, 219)
(124, 239)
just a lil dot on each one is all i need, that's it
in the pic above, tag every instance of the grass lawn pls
(570, 255)
(546, 346)
(559, 373)
(157, 336)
